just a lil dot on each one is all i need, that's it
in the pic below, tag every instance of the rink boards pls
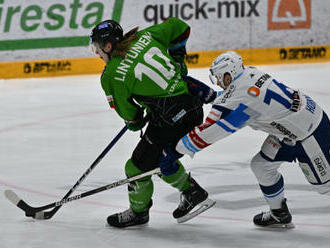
(94, 65)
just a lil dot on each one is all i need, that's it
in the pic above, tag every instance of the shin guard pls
(140, 191)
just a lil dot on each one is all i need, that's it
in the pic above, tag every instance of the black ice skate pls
(189, 199)
(276, 218)
(129, 218)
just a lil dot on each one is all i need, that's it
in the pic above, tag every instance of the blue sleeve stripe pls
(187, 144)
(228, 129)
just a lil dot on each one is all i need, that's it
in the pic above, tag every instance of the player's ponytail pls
(122, 47)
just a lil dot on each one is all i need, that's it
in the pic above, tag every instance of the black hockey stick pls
(50, 214)
(38, 213)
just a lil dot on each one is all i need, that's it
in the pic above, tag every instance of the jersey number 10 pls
(154, 69)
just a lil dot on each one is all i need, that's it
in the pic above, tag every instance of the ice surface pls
(52, 129)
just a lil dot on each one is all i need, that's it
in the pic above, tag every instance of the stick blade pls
(17, 201)
(12, 196)
(39, 215)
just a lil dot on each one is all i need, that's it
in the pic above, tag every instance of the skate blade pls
(203, 206)
(279, 226)
(133, 227)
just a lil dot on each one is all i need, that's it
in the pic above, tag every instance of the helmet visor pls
(215, 78)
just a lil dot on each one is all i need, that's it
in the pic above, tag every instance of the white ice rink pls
(52, 129)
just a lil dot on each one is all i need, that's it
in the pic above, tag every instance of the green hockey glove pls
(138, 123)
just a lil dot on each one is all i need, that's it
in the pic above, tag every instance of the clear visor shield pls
(215, 78)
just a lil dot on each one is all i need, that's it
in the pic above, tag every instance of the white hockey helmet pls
(228, 62)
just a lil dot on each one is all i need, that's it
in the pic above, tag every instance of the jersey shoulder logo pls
(253, 91)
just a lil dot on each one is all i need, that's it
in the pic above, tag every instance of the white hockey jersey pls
(257, 100)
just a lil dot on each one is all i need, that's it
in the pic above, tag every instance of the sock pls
(274, 194)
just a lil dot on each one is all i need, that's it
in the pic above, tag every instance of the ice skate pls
(128, 218)
(276, 218)
(195, 196)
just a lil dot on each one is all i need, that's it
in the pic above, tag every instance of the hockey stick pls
(38, 213)
(50, 214)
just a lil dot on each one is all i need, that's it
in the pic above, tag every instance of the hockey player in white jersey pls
(299, 130)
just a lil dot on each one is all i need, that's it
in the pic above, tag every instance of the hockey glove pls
(168, 162)
(199, 89)
(179, 54)
(138, 123)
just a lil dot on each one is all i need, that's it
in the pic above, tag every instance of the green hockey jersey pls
(147, 70)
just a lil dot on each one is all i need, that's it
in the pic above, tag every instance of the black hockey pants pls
(171, 118)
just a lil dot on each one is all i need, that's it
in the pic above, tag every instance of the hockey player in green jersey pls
(143, 82)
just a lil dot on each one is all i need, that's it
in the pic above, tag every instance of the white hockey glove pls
(185, 146)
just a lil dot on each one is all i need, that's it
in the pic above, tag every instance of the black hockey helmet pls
(106, 31)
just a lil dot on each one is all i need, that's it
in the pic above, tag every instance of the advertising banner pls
(291, 30)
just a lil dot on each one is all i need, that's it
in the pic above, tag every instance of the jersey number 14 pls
(280, 98)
